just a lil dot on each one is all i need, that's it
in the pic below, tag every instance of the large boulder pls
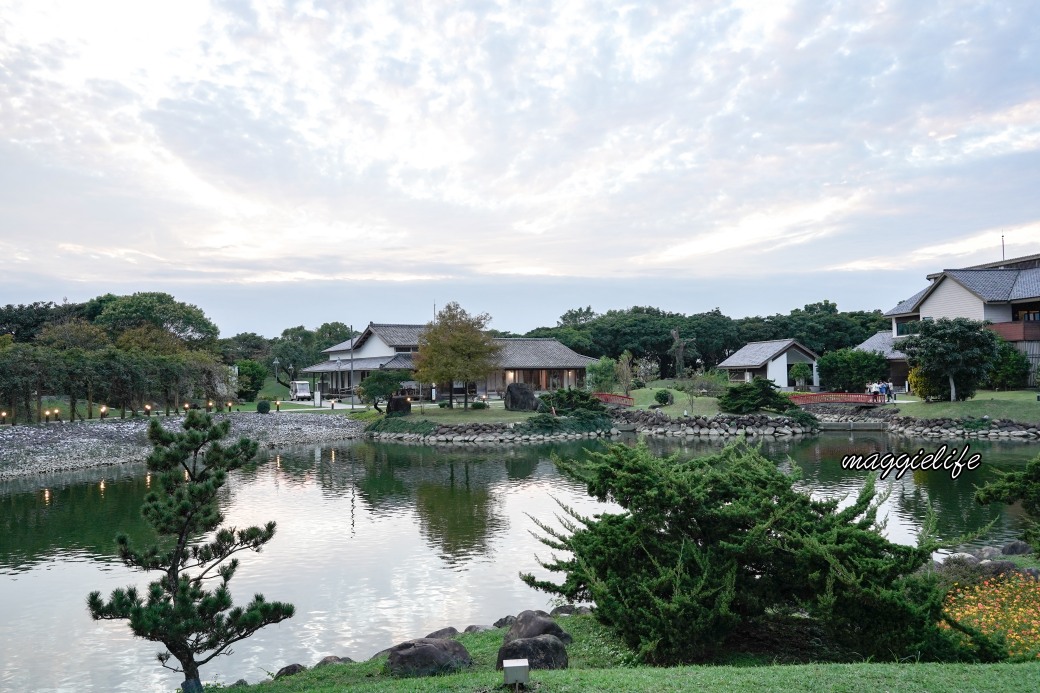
(520, 397)
(542, 652)
(505, 621)
(1017, 548)
(427, 657)
(333, 659)
(531, 624)
(449, 632)
(289, 670)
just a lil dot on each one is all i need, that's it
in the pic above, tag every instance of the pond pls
(376, 544)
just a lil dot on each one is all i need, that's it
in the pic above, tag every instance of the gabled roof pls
(372, 363)
(910, 304)
(1017, 279)
(885, 343)
(342, 346)
(529, 352)
(758, 354)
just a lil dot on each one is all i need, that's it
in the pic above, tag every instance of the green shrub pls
(402, 424)
(579, 421)
(478, 405)
(704, 544)
(802, 418)
(443, 405)
(567, 401)
(663, 397)
(263, 407)
(759, 394)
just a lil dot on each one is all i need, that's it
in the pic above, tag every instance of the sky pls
(287, 163)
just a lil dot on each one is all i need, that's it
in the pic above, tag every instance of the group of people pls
(882, 391)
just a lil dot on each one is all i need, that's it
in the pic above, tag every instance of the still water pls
(376, 544)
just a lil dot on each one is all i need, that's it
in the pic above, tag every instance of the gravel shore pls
(56, 447)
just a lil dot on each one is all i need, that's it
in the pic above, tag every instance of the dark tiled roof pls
(987, 284)
(757, 354)
(398, 335)
(885, 343)
(990, 285)
(366, 364)
(524, 352)
(400, 361)
(342, 346)
(910, 304)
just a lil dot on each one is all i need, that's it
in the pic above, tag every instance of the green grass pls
(1017, 405)
(699, 406)
(598, 662)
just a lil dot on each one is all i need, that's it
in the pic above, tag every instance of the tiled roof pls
(910, 304)
(371, 363)
(757, 354)
(987, 284)
(885, 343)
(990, 285)
(342, 346)
(525, 352)
(400, 361)
(398, 335)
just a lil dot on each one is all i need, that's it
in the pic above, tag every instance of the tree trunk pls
(192, 681)
(953, 389)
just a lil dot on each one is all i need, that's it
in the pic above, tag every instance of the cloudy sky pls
(284, 163)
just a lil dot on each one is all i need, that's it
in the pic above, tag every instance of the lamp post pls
(229, 407)
(186, 408)
(104, 411)
(353, 339)
(3, 418)
(147, 410)
(209, 406)
(275, 364)
(278, 405)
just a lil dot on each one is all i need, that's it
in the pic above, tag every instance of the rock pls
(505, 621)
(520, 397)
(582, 611)
(381, 653)
(995, 568)
(241, 683)
(531, 624)
(333, 659)
(1016, 548)
(443, 633)
(541, 652)
(478, 629)
(565, 610)
(966, 558)
(289, 671)
(987, 552)
(427, 657)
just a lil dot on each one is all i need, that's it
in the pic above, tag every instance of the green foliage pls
(849, 370)
(663, 397)
(1018, 487)
(819, 326)
(478, 405)
(802, 418)
(705, 544)
(263, 407)
(189, 608)
(396, 424)
(251, 377)
(380, 385)
(624, 371)
(161, 311)
(568, 401)
(455, 347)
(958, 351)
(927, 385)
(801, 374)
(601, 376)
(579, 421)
(710, 383)
(758, 395)
(1010, 369)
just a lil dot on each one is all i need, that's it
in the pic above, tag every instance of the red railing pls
(611, 398)
(836, 398)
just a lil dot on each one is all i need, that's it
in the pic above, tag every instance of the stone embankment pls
(57, 447)
(983, 428)
(651, 423)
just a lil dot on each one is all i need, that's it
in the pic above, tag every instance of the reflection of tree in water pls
(83, 515)
(458, 517)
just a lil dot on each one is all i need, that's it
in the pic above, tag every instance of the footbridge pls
(860, 399)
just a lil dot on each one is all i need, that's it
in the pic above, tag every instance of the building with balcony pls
(1006, 294)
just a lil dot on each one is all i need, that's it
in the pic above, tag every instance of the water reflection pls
(376, 543)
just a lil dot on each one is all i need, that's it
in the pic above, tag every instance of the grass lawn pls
(699, 406)
(598, 662)
(1017, 405)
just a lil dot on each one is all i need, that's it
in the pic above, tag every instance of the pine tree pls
(195, 624)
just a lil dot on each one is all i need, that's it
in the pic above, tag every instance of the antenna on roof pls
(1002, 246)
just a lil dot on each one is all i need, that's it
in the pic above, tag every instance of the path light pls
(229, 407)
(186, 408)
(278, 405)
(46, 415)
(147, 410)
(209, 405)
(3, 418)
(515, 671)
